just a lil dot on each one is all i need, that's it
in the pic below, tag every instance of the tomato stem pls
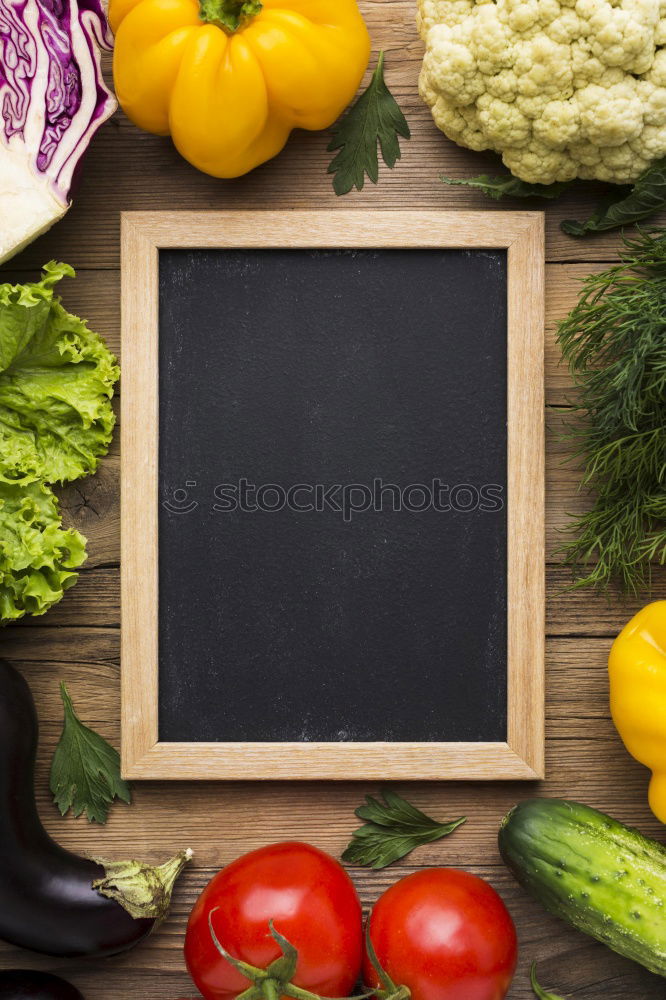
(275, 981)
(270, 989)
(387, 989)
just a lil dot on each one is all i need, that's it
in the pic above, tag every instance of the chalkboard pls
(333, 501)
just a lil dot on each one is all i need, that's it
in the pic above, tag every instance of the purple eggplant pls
(51, 900)
(28, 984)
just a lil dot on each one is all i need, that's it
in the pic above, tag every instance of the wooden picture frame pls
(522, 235)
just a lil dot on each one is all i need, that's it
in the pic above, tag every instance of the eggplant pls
(51, 900)
(28, 984)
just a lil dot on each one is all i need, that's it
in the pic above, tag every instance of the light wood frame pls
(143, 235)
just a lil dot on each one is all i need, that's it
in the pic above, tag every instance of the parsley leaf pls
(538, 990)
(394, 827)
(85, 773)
(506, 185)
(375, 118)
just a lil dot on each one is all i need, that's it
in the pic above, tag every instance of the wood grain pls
(526, 467)
(79, 640)
(95, 601)
(139, 496)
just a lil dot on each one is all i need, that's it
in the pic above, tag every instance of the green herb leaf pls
(614, 341)
(85, 774)
(647, 196)
(394, 827)
(506, 185)
(538, 990)
(375, 118)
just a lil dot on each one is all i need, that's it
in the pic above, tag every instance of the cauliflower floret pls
(558, 124)
(560, 88)
(503, 121)
(610, 116)
(653, 100)
(458, 78)
(462, 124)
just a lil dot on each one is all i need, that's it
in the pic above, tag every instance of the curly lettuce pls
(56, 421)
(56, 384)
(38, 556)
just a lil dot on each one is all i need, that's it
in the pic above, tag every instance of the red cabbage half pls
(52, 101)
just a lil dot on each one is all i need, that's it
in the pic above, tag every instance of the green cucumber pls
(601, 877)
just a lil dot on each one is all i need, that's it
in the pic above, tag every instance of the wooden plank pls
(585, 761)
(526, 499)
(219, 821)
(139, 492)
(95, 601)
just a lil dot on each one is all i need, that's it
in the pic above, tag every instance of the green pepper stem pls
(230, 15)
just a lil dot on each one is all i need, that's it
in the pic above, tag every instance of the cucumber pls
(601, 877)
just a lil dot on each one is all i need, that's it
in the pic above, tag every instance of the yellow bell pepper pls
(637, 671)
(230, 79)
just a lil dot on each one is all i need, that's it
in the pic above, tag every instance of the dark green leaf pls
(538, 990)
(647, 196)
(375, 118)
(85, 774)
(508, 186)
(393, 828)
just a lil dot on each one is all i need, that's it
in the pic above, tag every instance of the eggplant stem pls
(143, 890)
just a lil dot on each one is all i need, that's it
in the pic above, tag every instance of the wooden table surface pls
(78, 641)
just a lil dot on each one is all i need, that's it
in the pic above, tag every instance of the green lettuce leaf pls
(56, 383)
(37, 556)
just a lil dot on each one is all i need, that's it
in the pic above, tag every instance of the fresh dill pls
(614, 341)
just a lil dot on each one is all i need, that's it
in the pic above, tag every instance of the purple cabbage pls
(52, 96)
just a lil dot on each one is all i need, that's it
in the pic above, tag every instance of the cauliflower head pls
(561, 88)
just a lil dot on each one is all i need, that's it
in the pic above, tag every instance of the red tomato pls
(446, 935)
(311, 901)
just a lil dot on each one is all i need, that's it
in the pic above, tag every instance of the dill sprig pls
(614, 341)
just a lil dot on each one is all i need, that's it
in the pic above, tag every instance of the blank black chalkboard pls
(332, 495)
(382, 371)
